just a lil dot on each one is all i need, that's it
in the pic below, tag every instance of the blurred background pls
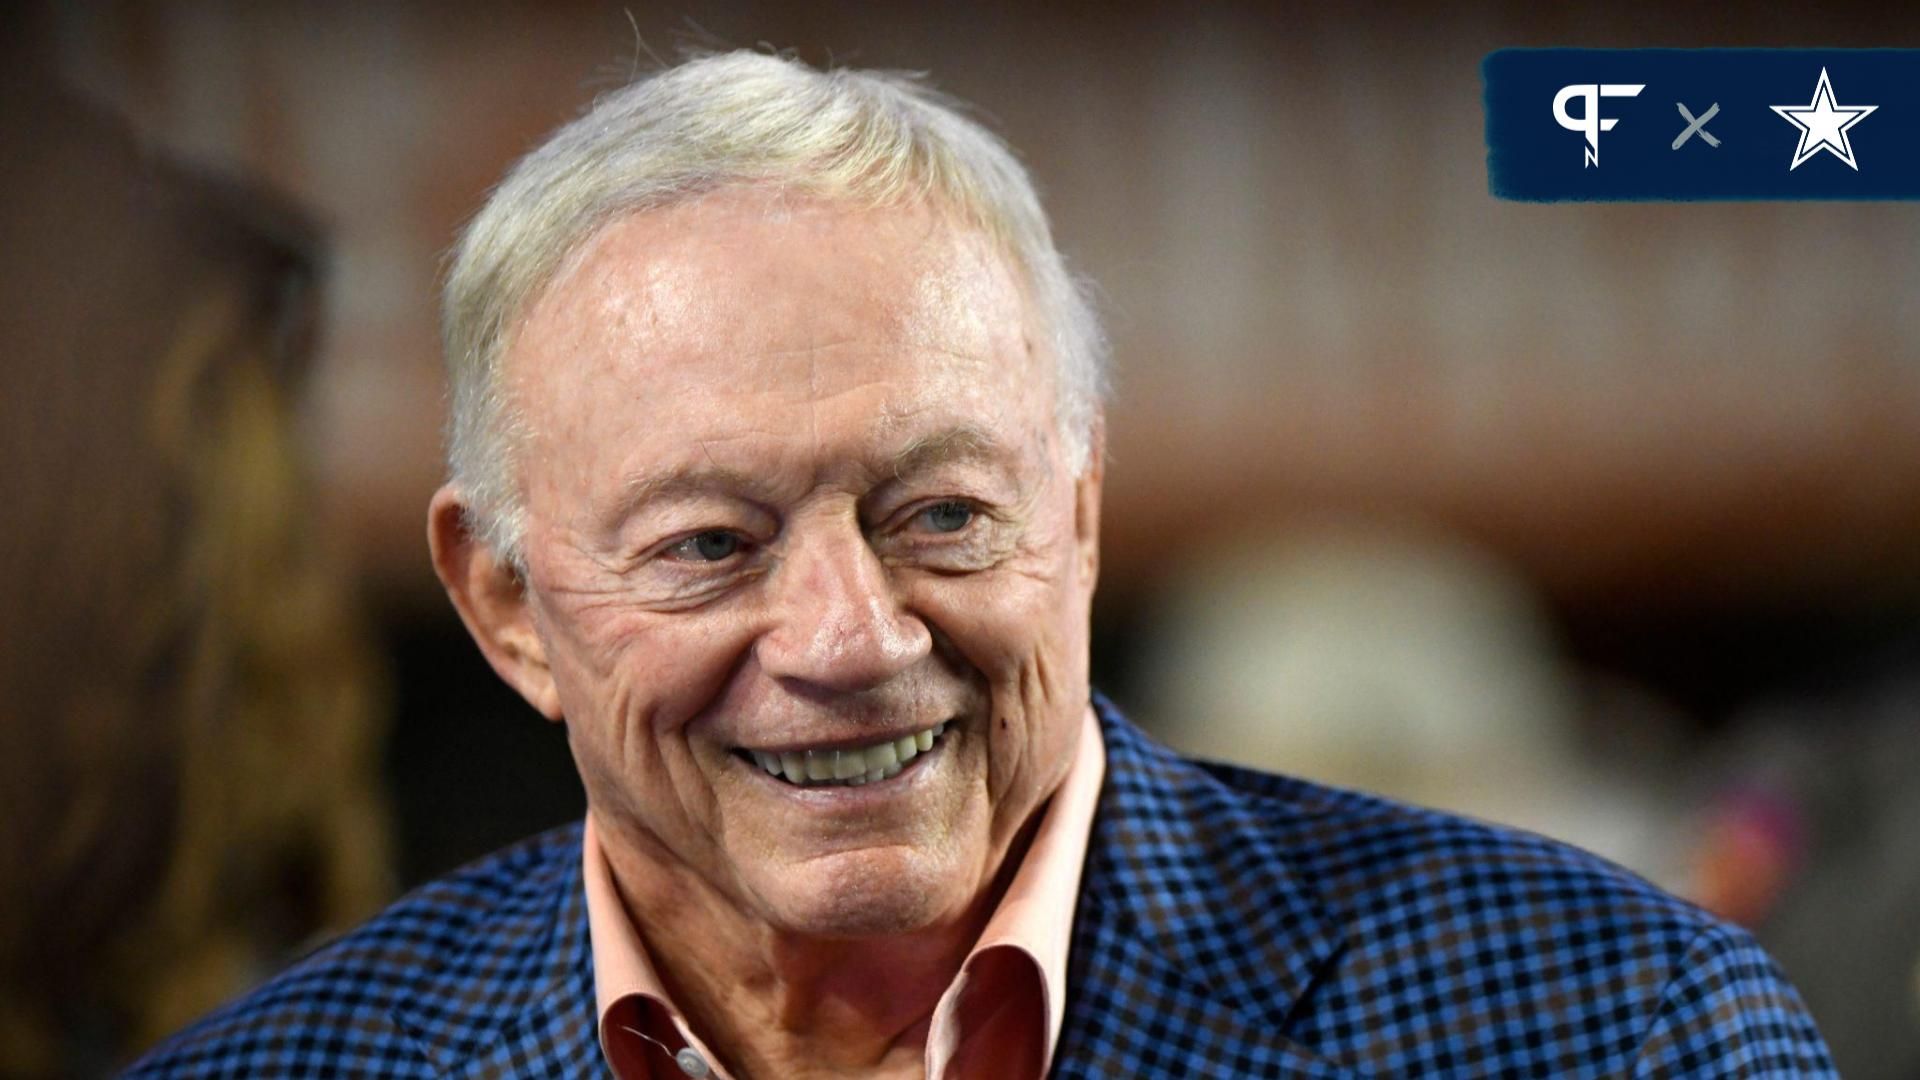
(1602, 520)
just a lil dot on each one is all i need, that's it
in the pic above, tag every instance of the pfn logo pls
(1589, 122)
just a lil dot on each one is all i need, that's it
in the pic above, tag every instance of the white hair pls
(717, 121)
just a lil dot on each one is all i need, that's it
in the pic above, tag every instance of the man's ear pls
(492, 601)
(1086, 500)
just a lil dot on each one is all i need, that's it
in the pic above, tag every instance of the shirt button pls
(691, 1062)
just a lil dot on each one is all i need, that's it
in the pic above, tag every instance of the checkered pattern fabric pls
(1231, 923)
(485, 973)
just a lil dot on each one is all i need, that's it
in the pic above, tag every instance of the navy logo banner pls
(1597, 124)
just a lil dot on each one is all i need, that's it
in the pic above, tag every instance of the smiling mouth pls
(847, 766)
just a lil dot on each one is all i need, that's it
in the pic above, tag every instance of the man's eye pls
(713, 545)
(947, 517)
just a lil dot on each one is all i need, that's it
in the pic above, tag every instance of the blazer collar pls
(1199, 877)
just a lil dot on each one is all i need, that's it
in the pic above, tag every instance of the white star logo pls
(1823, 125)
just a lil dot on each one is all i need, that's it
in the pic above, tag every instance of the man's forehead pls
(751, 272)
(692, 307)
(707, 336)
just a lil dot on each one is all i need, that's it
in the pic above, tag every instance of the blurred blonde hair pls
(187, 758)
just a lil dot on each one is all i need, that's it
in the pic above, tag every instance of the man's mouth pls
(848, 766)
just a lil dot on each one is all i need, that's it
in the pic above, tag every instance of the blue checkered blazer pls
(1231, 923)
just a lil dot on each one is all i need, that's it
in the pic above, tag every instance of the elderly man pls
(776, 468)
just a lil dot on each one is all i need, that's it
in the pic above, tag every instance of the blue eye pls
(948, 517)
(710, 546)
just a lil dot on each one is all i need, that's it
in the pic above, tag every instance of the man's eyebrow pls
(962, 443)
(673, 483)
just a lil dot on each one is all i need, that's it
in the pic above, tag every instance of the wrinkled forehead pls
(741, 279)
(776, 338)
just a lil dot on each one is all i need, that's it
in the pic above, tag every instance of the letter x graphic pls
(1697, 126)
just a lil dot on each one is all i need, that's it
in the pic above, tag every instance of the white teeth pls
(852, 768)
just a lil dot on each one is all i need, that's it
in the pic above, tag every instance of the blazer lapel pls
(1194, 940)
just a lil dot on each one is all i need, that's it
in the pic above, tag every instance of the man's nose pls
(838, 623)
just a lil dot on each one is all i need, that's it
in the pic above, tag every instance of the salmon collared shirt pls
(999, 1018)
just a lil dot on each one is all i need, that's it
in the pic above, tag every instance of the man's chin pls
(875, 893)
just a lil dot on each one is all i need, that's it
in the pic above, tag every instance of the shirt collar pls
(1023, 948)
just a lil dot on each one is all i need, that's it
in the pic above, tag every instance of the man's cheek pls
(670, 668)
(1033, 686)
(994, 617)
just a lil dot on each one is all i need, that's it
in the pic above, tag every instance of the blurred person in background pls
(1411, 663)
(1812, 837)
(776, 473)
(188, 790)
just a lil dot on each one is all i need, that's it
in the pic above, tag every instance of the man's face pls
(795, 487)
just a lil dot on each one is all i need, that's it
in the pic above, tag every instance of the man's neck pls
(774, 1004)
